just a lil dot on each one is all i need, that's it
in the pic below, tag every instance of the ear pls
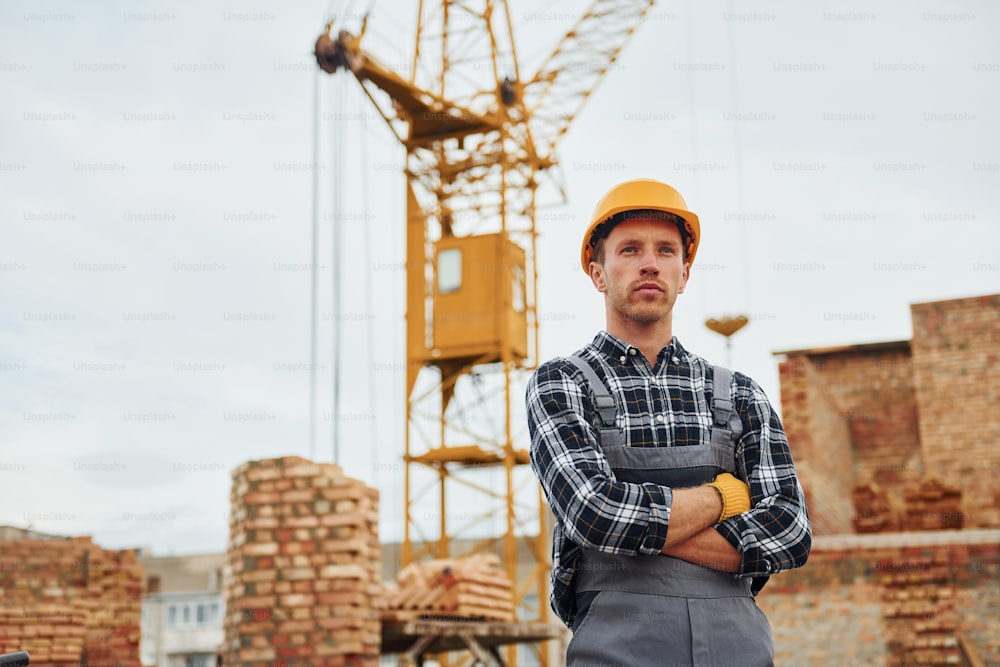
(597, 277)
(684, 277)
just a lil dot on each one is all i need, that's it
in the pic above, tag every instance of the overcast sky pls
(156, 170)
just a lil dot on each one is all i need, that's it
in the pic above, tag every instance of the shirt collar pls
(619, 350)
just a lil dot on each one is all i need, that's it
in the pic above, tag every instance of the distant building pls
(182, 610)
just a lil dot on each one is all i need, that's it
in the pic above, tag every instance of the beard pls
(642, 308)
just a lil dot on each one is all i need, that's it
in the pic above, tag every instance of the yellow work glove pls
(735, 495)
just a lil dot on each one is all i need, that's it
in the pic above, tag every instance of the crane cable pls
(369, 278)
(737, 145)
(740, 218)
(314, 286)
(337, 150)
(693, 105)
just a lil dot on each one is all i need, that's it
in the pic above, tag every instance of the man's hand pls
(735, 495)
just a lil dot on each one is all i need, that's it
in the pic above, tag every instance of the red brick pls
(260, 549)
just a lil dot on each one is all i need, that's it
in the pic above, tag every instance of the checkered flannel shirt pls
(665, 406)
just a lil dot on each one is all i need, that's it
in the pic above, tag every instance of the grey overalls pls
(637, 611)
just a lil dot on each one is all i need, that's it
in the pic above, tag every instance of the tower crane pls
(480, 138)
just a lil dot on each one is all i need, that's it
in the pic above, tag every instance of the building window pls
(198, 660)
(193, 614)
(207, 613)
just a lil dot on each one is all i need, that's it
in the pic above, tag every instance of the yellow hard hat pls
(641, 194)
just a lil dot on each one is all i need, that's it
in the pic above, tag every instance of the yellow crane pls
(479, 140)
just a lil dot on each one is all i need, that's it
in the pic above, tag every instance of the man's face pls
(643, 269)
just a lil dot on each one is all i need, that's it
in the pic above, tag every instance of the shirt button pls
(675, 360)
(631, 351)
(621, 358)
(659, 418)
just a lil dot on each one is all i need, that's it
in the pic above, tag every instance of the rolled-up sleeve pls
(775, 534)
(596, 510)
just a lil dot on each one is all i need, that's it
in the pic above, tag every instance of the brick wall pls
(920, 410)
(956, 350)
(70, 601)
(890, 599)
(923, 429)
(820, 441)
(873, 388)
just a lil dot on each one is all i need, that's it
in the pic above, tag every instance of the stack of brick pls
(476, 587)
(52, 633)
(114, 608)
(919, 611)
(304, 565)
(873, 511)
(933, 506)
(58, 582)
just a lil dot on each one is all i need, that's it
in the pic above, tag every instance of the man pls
(671, 481)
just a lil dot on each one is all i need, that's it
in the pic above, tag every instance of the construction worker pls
(671, 481)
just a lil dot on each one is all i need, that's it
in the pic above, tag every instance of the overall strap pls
(603, 403)
(726, 425)
(722, 399)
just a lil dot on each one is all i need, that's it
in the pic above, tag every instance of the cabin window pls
(449, 270)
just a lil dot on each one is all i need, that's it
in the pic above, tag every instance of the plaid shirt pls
(665, 406)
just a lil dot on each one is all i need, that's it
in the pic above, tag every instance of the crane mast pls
(479, 139)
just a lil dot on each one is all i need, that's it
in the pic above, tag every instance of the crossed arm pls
(599, 512)
(692, 535)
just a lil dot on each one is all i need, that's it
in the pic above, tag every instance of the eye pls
(668, 250)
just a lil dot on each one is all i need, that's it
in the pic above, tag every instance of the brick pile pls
(78, 603)
(919, 611)
(52, 633)
(874, 512)
(304, 564)
(476, 587)
(932, 505)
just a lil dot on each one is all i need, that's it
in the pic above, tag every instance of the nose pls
(648, 265)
